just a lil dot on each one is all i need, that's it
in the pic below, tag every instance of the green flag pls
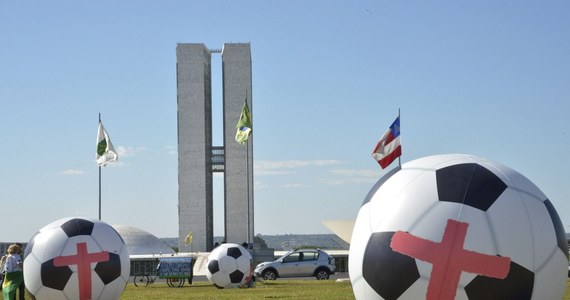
(188, 239)
(244, 126)
(105, 151)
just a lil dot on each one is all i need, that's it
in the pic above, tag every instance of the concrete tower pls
(195, 205)
(238, 176)
(198, 158)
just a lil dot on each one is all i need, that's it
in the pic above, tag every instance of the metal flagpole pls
(99, 193)
(99, 179)
(400, 156)
(247, 180)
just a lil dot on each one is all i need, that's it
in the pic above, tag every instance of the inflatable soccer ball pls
(229, 265)
(457, 227)
(75, 258)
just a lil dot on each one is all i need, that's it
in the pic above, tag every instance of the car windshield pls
(284, 255)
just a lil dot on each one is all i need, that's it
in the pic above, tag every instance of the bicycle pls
(144, 279)
(176, 282)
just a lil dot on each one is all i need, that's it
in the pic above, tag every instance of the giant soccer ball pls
(229, 265)
(75, 258)
(457, 227)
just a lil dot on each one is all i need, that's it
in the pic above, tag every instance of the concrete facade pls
(196, 163)
(195, 195)
(238, 175)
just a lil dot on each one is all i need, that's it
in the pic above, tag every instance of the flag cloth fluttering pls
(388, 148)
(105, 151)
(243, 125)
(188, 239)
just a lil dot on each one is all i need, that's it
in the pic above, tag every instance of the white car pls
(298, 263)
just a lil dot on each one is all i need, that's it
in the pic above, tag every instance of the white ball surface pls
(229, 265)
(75, 258)
(503, 236)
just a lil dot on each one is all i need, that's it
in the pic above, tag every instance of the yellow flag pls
(188, 239)
(243, 125)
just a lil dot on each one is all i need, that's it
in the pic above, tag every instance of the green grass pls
(279, 289)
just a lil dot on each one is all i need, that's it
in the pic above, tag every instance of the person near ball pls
(14, 274)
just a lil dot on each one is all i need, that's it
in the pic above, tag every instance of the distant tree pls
(260, 241)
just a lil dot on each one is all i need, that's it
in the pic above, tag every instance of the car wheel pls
(322, 274)
(269, 275)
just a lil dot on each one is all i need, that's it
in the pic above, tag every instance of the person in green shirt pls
(14, 274)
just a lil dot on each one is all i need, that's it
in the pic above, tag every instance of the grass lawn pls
(279, 289)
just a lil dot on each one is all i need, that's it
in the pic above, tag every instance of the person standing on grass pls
(2, 264)
(22, 287)
(14, 274)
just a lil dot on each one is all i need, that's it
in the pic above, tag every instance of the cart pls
(175, 270)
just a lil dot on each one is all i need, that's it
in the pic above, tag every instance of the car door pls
(308, 264)
(289, 266)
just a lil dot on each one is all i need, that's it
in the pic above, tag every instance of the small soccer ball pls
(229, 265)
(457, 227)
(76, 258)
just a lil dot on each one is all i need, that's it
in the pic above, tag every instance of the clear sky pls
(489, 78)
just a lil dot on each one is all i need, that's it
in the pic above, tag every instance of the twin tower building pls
(198, 158)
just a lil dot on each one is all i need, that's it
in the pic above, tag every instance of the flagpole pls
(99, 193)
(399, 157)
(99, 180)
(244, 128)
(247, 176)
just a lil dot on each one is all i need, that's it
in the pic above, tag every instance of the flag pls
(243, 125)
(105, 150)
(188, 239)
(388, 148)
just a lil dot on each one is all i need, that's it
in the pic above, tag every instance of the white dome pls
(140, 242)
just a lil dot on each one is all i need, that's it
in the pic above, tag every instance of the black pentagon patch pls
(109, 270)
(234, 252)
(389, 273)
(55, 277)
(236, 276)
(558, 227)
(75, 227)
(469, 184)
(213, 266)
(517, 285)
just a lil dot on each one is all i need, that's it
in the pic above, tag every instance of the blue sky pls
(489, 78)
